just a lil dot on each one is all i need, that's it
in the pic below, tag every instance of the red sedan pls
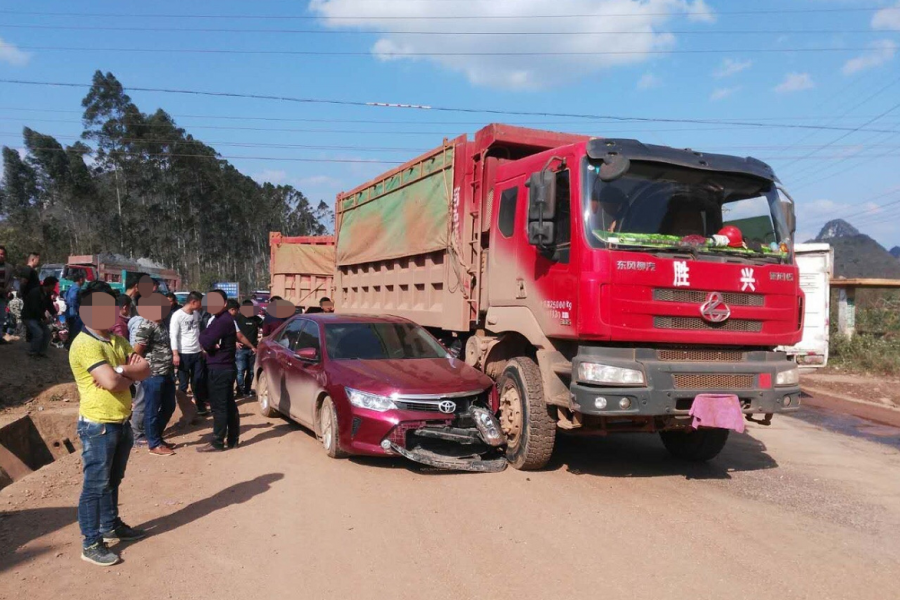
(380, 386)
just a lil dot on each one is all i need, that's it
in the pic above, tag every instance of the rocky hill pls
(858, 255)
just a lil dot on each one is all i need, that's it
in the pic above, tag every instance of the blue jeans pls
(159, 404)
(104, 453)
(245, 360)
(40, 336)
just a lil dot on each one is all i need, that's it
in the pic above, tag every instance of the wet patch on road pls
(837, 422)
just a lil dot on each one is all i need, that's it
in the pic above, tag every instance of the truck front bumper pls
(671, 385)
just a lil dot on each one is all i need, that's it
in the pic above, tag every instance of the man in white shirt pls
(187, 355)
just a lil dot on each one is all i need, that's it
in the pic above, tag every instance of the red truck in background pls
(588, 277)
(301, 268)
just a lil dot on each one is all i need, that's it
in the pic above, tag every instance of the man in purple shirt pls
(219, 340)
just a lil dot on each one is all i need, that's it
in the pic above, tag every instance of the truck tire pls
(263, 397)
(695, 446)
(525, 417)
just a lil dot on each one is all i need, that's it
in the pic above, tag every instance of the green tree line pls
(140, 186)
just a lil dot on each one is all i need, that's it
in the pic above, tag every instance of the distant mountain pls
(895, 251)
(856, 254)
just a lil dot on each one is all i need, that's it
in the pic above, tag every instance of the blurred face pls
(248, 310)
(327, 306)
(214, 303)
(34, 261)
(171, 301)
(194, 304)
(146, 285)
(101, 314)
(281, 309)
(154, 307)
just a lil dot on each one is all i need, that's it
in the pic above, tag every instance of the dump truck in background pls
(114, 270)
(816, 265)
(603, 283)
(301, 268)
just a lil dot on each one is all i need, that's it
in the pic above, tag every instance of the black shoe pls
(100, 555)
(233, 445)
(210, 448)
(203, 411)
(124, 533)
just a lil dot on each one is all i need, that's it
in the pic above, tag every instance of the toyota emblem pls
(714, 309)
(447, 406)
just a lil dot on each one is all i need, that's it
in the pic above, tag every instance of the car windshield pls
(380, 341)
(660, 206)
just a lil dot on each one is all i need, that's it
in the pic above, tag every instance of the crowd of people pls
(130, 354)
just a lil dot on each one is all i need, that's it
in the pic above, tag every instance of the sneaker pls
(124, 533)
(210, 448)
(162, 451)
(100, 555)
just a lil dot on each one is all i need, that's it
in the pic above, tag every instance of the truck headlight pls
(605, 374)
(789, 377)
(369, 401)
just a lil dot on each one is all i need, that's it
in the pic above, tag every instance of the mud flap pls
(439, 461)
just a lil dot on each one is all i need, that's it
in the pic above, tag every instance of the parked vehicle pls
(114, 270)
(181, 297)
(380, 385)
(816, 264)
(604, 284)
(301, 268)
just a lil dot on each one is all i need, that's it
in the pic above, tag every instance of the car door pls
(304, 375)
(275, 359)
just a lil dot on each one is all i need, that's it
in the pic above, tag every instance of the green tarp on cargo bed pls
(402, 215)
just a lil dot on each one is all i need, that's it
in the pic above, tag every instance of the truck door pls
(506, 234)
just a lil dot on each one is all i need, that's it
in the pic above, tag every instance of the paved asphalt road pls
(806, 508)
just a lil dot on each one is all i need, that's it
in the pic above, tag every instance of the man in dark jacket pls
(37, 306)
(249, 324)
(219, 340)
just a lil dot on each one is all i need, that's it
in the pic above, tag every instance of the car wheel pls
(329, 432)
(524, 416)
(262, 396)
(695, 446)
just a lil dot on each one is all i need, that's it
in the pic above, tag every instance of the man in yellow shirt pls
(105, 367)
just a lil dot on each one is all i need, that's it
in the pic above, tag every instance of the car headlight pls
(789, 377)
(369, 401)
(597, 373)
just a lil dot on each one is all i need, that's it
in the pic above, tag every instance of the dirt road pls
(789, 511)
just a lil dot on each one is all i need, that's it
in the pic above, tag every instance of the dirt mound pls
(23, 378)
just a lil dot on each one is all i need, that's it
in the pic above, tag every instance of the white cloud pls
(795, 82)
(731, 67)
(12, 55)
(887, 18)
(648, 82)
(722, 93)
(880, 52)
(316, 181)
(271, 176)
(575, 50)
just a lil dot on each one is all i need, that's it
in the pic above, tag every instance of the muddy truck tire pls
(524, 416)
(695, 446)
(263, 397)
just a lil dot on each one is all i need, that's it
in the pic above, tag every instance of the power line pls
(444, 17)
(451, 109)
(351, 53)
(455, 33)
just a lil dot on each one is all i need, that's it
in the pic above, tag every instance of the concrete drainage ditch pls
(35, 440)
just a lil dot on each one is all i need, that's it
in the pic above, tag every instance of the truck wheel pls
(328, 430)
(525, 418)
(262, 396)
(697, 446)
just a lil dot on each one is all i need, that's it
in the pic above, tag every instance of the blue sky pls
(826, 63)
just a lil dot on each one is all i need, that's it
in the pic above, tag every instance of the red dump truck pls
(605, 284)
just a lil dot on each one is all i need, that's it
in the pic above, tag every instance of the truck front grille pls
(698, 324)
(689, 355)
(713, 381)
(699, 297)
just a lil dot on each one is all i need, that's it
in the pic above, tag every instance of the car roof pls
(339, 318)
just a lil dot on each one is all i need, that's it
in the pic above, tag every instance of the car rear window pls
(380, 341)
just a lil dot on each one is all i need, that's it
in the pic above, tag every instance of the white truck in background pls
(816, 264)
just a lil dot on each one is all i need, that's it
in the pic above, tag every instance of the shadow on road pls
(20, 527)
(235, 494)
(643, 455)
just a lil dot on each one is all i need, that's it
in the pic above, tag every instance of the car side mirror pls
(310, 354)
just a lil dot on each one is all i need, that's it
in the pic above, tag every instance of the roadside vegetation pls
(876, 346)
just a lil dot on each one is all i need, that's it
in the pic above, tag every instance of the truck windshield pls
(661, 206)
(380, 341)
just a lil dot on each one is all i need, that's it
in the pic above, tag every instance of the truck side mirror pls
(541, 208)
(789, 217)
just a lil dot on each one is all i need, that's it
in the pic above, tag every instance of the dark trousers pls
(192, 369)
(245, 360)
(226, 420)
(104, 453)
(159, 404)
